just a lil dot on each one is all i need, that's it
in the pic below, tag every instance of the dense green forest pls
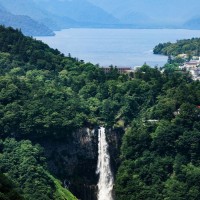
(25, 165)
(8, 189)
(160, 151)
(45, 94)
(186, 46)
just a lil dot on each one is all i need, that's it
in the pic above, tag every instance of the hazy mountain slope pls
(25, 7)
(164, 12)
(25, 23)
(81, 11)
(2, 8)
(61, 14)
(31, 9)
(193, 23)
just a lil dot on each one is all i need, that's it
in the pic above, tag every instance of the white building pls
(193, 67)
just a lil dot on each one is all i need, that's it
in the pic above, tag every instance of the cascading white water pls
(105, 184)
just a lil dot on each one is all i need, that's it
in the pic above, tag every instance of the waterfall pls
(105, 184)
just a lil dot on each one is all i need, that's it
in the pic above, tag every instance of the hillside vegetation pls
(159, 152)
(160, 158)
(186, 46)
(25, 165)
(21, 161)
(47, 95)
(8, 189)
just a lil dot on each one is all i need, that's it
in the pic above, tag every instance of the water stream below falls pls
(106, 181)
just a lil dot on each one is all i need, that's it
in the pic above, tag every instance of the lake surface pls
(120, 47)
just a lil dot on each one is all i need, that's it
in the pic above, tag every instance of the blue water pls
(120, 47)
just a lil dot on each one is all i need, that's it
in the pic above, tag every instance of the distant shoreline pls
(114, 28)
(116, 47)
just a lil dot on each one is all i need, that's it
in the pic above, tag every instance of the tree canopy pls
(186, 46)
(45, 94)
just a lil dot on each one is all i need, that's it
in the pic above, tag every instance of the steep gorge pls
(74, 159)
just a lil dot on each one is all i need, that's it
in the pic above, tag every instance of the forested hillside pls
(53, 93)
(187, 46)
(47, 96)
(25, 165)
(160, 151)
(7, 189)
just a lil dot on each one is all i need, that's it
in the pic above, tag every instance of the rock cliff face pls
(114, 138)
(74, 160)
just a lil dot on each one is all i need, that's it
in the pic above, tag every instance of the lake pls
(118, 47)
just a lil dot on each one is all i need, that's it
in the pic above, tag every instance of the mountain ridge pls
(82, 11)
(158, 13)
(27, 25)
(61, 14)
